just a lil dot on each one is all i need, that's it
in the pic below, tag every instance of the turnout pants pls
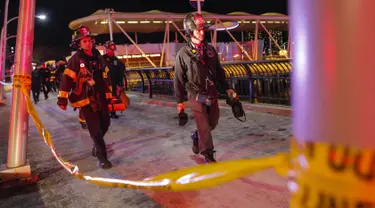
(114, 89)
(81, 117)
(207, 118)
(46, 88)
(97, 124)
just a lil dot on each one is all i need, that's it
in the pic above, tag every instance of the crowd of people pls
(46, 79)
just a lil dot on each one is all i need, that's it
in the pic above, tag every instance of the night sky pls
(54, 33)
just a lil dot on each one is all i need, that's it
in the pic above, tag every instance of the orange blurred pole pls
(23, 66)
(333, 100)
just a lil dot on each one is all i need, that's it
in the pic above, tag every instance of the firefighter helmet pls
(193, 21)
(110, 45)
(81, 32)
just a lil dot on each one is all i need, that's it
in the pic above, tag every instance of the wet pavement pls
(145, 141)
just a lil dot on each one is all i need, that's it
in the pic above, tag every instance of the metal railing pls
(257, 81)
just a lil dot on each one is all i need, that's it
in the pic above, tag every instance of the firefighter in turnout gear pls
(36, 81)
(116, 70)
(60, 67)
(85, 84)
(46, 75)
(197, 71)
(52, 81)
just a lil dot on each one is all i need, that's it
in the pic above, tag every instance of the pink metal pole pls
(333, 77)
(23, 66)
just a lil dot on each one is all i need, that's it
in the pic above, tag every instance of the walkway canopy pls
(155, 21)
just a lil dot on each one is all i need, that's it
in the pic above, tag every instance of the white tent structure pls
(108, 22)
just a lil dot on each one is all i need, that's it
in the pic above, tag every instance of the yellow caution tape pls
(320, 175)
(327, 175)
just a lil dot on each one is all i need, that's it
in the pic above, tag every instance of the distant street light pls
(41, 16)
(3, 42)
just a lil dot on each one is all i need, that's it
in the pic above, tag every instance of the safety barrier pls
(259, 82)
(152, 80)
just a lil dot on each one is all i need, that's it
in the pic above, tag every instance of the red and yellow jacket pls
(78, 76)
(53, 76)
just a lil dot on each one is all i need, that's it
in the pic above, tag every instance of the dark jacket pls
(74, 84)
(59, 72)
(45, 74)
(196, 72)
(116, 69)
(36, 80)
